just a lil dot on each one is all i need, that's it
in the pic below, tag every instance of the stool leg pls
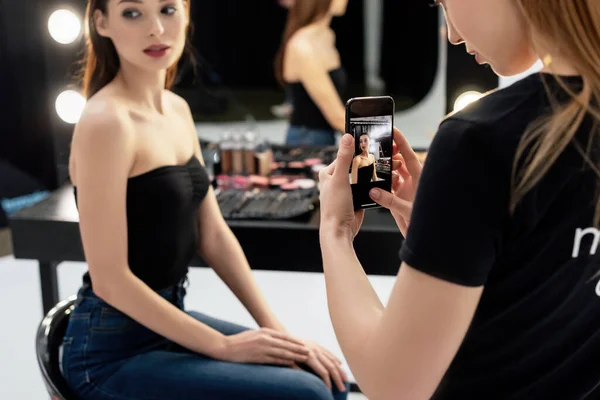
(49, 284)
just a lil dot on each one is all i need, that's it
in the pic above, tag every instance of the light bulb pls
(69, 106)
(64, 26)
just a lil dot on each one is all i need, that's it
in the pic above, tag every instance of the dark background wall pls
(26, 141)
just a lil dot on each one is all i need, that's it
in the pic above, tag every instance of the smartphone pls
(371, 121)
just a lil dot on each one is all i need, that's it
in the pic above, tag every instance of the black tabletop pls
(49, 231)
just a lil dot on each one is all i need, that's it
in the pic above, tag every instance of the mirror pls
(382, 48)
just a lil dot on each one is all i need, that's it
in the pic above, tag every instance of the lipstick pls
(157, 50)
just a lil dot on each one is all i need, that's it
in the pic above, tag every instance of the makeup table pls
(49, 233)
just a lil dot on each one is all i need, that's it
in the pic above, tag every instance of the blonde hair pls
(574, 27)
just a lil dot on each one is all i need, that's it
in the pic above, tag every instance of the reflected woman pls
(308, 65)
(363, 165)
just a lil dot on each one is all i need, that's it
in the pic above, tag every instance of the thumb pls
(391, 202)
(344, 157)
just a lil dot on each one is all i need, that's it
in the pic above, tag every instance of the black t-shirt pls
(536, 331)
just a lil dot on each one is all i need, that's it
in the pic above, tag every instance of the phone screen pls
(370, 120)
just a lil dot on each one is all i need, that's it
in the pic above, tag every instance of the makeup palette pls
(277, 181)
(296, 165)
(259, 181)
(313, 161)
(306, 183)
(290, 186)
(241, 182)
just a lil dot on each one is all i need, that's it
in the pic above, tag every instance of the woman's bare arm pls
(355, 163)
(400, 351)
(219, 247)
(374, 168)
(103, 153)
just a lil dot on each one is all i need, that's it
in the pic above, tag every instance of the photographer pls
(497, 295)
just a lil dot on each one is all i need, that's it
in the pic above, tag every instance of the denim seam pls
(93, 384)
(84, 365)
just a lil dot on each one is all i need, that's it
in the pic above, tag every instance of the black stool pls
(47, 344)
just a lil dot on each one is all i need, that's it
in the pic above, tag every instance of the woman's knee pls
(310, 387)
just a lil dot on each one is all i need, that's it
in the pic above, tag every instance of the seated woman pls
(363, 164)
(308, 65)
(146, 207)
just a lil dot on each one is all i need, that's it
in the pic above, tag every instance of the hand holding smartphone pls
(370, 120)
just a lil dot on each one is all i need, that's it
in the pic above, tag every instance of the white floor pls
(297, 298)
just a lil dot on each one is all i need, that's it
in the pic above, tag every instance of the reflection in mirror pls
(235, 77)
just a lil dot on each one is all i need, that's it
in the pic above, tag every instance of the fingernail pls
(374, 194)
(346, 140)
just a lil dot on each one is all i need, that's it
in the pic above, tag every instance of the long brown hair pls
(302, 13)
(573, 26)
(101, 61)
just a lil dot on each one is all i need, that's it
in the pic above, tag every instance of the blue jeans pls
(303, 136)
(109, 356)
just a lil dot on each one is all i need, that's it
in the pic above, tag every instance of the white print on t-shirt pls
(579, 235)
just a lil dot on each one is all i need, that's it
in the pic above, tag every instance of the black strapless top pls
(162, 222)
(365, 174)
(306, 113)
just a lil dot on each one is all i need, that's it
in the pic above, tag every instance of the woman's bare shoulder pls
(103, 131)
(300, 44)
(104, 114)
(178, 103)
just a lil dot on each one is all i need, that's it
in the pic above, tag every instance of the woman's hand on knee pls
(326, 366)
(264, 346)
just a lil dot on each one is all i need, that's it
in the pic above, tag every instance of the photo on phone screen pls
(370, 120)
